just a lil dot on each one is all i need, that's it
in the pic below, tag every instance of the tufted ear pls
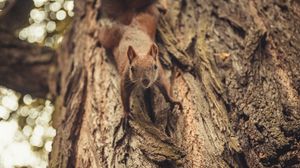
(153, 51)
(131, 54)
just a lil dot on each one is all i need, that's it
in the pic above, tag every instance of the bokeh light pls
(48, 21)
(2, 4)
(26, 124)
(25, 121)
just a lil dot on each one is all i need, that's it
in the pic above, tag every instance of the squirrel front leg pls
(167, 90)
(126, 89)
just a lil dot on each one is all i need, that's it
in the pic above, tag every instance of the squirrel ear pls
(131, 54)
(153, 51)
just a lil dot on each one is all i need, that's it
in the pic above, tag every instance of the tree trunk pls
(239, 84)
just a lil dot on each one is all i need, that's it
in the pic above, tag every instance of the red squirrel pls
(124, 10)
(136, 55)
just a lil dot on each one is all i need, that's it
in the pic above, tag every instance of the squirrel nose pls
(145, 82)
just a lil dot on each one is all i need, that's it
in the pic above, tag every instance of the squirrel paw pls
(125, 122)
(177, 103)
(162, 6)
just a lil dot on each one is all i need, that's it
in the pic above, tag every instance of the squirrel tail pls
(110, 7)
(125, 10)
(110, 33)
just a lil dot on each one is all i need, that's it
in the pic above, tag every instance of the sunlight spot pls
(23, 34)
(51, 26)
(55, 6)
(4, 113)
(69, 5)
(38, 15)
(71, 13)
(39, 3)
(25, 143)
(27, 99)
(27, 130)
(61, 15)
(10, 102)
(2, 4)
(48, 146)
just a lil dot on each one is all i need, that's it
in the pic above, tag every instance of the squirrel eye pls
(155, 66)
(132, 69)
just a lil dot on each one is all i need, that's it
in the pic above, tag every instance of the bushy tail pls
(147, 20)
(119, 14)
(124, 10)
(115, 8)
(110, 33)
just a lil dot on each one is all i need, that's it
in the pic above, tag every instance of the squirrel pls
(124, 10)
(136, 55)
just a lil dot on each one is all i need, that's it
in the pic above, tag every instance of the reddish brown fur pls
(136, 54)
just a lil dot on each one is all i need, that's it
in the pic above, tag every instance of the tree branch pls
(24, 67)
(15, 15)
(8, 5)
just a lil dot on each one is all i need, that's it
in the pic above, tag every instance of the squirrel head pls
(143, 68)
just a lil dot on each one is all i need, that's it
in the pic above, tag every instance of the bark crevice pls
(239, 86)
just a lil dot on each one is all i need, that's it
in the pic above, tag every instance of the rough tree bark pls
(239, 85)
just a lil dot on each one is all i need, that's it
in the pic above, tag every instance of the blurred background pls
(25, 122)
